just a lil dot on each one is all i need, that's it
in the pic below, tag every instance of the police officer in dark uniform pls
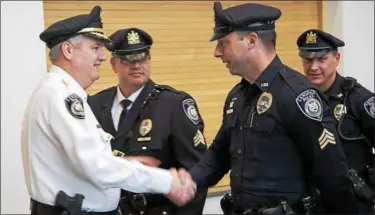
(352, 106)
(149, 120)
(277, 136)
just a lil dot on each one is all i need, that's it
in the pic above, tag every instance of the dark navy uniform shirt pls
(275, 134)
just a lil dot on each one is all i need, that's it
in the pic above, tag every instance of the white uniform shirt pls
(62, 152)
(117, 107)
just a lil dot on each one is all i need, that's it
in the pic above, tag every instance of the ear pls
(113, 64)
(338, 57)
(67, 50)
(251, 39)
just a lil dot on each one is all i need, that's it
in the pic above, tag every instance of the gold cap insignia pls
(145, 127)
(339, 111)
(264, 102)
(133, 38)
(311, 37)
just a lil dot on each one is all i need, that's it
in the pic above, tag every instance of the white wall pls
(22, 65)
(353, 22)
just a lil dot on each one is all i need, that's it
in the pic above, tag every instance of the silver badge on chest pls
(339, 111)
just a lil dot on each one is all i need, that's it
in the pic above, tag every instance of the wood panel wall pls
(182, 56)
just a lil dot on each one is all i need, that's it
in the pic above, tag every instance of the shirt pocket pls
(263, 124)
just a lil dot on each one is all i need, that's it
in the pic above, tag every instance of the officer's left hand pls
(145, 160)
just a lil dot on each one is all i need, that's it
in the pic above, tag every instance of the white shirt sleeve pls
(91, 157)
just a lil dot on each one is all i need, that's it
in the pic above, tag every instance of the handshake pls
(183, 187)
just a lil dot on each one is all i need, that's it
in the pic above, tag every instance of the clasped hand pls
(183, 187)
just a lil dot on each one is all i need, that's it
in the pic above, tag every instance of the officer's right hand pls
(183, 187)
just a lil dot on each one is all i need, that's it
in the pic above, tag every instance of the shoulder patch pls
(310, 104)
(370, 107)
(191, 112)
(74, 104)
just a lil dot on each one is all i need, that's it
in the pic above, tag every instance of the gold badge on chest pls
(145, 128)
(264, 102)
(338, 111)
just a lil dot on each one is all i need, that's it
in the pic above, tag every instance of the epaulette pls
(295, 80)
(166, 87)
(349, 84)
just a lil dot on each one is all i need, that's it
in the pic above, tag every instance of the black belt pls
(132, 203)
(43, 209)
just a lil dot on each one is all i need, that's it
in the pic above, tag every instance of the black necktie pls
(125, 103)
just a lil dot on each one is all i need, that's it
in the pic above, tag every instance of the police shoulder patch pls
(310, 104)
(370, 107)
(190, 110)
(74, 104)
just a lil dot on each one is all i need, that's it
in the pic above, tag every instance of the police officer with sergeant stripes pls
(352, 106)
(276, 136)
(149, 120)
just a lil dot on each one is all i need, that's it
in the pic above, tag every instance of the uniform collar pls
(266, 78)
(336, 89)
(69, 81)
(132, 97)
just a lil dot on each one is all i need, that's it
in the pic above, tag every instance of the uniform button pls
(164, 212)
(239, 151)
(144, 147)
(141, 212)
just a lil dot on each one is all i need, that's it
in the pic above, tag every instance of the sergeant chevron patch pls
(325, 138)
(199, 138)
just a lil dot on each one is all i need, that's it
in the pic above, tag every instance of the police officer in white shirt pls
(64, 148)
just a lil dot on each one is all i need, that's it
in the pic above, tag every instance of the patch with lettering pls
(74, 104)
(310, 104)
(190, 110)
(369, 107)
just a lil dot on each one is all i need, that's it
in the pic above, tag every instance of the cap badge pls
(133, 38)
(311, 37)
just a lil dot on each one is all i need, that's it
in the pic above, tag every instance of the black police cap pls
(245, 17)
(85, 24)
(131, 44)
(315, 43)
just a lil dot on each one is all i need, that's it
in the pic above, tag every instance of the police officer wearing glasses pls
(277, 136)
(148, 121)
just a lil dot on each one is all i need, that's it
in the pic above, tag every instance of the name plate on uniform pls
(142, 139)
